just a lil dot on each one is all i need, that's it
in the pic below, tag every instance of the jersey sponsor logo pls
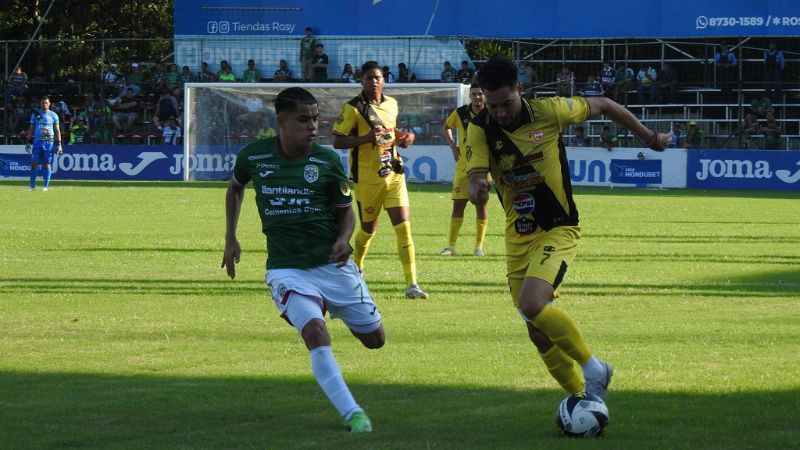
(265, 173)
(261, 156)
(285, 190)
(536, 136)
(344, 186)
(569, 102)
(311, 173)
(267, 166)
(498, 145)
(319, 161)
(524, 203)
(469, 153)
(533, 157)
(524, 225)
(523, 181)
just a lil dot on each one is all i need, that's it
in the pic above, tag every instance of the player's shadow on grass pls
(59, 410)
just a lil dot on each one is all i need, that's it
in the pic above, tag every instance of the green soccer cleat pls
(358, 423)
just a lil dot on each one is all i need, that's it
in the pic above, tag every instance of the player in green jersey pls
(305, 205)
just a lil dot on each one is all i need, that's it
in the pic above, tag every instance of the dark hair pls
(579, 128)
(320, 46)
(309, 29)
(45, 97)
(496, 73)
(474, 84)
(401, 65)
(369, 65)
(606, 128)
(289, 98)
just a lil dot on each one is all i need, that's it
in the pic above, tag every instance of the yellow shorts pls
(372, 197)
(460, 185)
(546, 256)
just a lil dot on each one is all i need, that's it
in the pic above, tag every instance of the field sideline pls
(119, 330)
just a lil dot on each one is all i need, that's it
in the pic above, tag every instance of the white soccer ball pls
(582, 415)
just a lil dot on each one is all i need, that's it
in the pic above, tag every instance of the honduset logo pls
(746, 169)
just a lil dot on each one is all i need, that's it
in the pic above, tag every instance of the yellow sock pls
(455, 227)
(561, 329)
(563, 369)
(480, 231)
(361, 246)
(405, 248)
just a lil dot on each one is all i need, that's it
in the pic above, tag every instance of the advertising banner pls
(640, 172)
(596, 166)
(738, 169)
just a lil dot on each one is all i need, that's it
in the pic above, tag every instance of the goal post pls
(220, 118)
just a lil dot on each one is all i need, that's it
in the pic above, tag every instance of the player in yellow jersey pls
(367, 126)
(519, 142)
(458, 120)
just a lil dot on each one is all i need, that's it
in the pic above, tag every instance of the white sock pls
(593, 368)
(329, 377)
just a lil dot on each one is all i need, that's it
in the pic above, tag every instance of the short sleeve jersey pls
(368, 159)
(43, 123)
(529, 165)
(459, 119)
(297, 200)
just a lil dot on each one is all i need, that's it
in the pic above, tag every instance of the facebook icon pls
(212, 27)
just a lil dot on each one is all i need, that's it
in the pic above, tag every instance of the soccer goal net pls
(220, 118)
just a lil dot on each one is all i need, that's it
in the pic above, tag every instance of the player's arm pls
(233, 206)
(404, 138)
(346, 223)
(57, 140)
(621, 115)
(478, 190)
(447, 133)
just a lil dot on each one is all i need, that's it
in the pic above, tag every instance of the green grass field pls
(118, 329)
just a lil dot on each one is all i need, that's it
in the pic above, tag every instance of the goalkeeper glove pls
(29, 147)
(59, 149)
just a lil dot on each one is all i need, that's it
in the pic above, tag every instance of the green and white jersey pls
(297, 200)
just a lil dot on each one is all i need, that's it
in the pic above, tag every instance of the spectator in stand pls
(772, 133)
(647, 81)
(171, 134)
(668, 83)
(253, 117)
(319, 65)
(465, 73)
(725, 63)
(359, 75)
(623, 79)
(166, 107)
(749, 128)
(388, 76)
(90, 105)
(564, 82)
(17, 84)
(695, 137)
(607, 79)
(607, 139)
(16, 114)
(78, 133)
(525, 75)
(186, 76)
(675, 136)
(113, 81)
(135, 79)
(592, 87)
(448, 74)
(580, 139)
(308, 48)
(405, 75)
(251, 74)
(157, 81)
(173, 79)
(71, 87)
(761, 106)
(283, 74)
(225, 74)
(774, 64)
(205, 75)
(126, 110)
(348, 76)
(60, 107)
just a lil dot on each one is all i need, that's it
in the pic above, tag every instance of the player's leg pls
(460, 198)
(49, 157)
(369, 202)
(481, 225)
(37, 157)
(397, 206)
(561, 367)
(548, 262)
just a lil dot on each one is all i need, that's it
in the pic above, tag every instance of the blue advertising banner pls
(737, 169)
(509, 19)
(635, 171)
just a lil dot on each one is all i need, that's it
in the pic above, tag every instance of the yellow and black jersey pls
(370, 162)
(459, 119)
(529, 165)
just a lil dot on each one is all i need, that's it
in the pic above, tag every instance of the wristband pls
(652, 141)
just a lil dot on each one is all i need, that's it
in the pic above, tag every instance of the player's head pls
(579, 131)
(283, 64)
(298, 115)
(44, 102)
(476, 96)
(372, 77)
(498, 80)
(309, 31)
(606, 129)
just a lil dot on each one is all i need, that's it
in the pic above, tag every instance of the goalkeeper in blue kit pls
(44, 142)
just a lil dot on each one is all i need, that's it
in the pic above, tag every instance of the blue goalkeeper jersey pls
(43, 123)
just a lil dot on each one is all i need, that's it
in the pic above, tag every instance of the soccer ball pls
(582, 415)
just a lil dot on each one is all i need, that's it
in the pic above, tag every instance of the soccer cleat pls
(31, 189)
(44, 189)
(447, 251)
(478, 252)
(414, 291)
(599, 386)
(358, 423)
